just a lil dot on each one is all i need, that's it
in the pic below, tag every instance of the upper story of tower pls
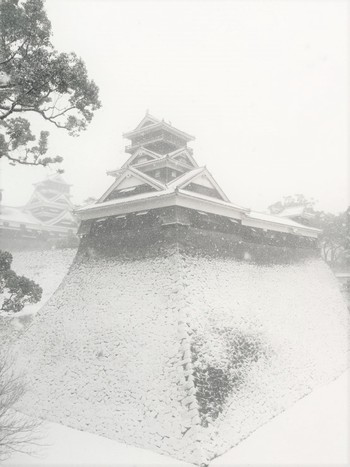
(157, 136)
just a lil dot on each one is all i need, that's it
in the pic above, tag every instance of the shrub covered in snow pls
(219, 373)
(15, 291)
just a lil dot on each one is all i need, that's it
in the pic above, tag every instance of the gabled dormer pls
(141, 156)
(59, 201)
(36, 199)
(65, 219)
(184, 155)
(63, 199)
(131, 183)
(201, 182)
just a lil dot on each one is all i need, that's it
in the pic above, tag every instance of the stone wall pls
(47, 267)
(184, 342)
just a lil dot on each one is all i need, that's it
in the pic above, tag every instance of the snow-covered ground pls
(315, 431)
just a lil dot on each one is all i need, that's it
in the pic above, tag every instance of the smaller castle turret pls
(48, 215)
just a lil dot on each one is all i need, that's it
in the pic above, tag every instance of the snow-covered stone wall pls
(170, 346)
(47, 267)
(106, 355)
(262, 337)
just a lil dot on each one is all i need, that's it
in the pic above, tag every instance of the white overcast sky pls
(263, 85)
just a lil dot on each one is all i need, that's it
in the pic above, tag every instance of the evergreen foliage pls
(335, 236)
(216, 380)
(15, 291)
(36, 79)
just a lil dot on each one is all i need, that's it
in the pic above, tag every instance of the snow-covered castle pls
(185, 321)
(162, 183)
(46, 218)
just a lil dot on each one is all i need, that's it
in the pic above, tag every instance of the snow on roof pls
(147, 178)
(185, 177)
(278, 220)
(145, 121)
(38, 199)
(15, 214)
(131, 170)
(141, 151)
(171, 157)
(129, 199)
(157, 194)
(16, 217)
(204, 202)
(179, 152)
(202, 197)
(160, 124)
(65, 215)
(57, 178)
(292, 211)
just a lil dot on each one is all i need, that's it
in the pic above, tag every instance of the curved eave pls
(66, 206)
(15, 225)
(150, 128)
(252, 220)
(166, 198)
(115, 173)
(188, 200)
(164, 161)
(58, 182)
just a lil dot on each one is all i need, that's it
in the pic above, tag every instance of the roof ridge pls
(185, 175)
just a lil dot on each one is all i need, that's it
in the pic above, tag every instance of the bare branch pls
(18, 433)
(21, 161)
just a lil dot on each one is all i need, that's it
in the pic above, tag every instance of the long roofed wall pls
(185, 321)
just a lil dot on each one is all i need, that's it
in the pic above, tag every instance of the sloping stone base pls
(183, 341)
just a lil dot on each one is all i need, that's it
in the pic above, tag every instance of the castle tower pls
(50, 203)
(156, 136)
(162, 178)
(186, 321)
(46, 218)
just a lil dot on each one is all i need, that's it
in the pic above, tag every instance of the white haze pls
(263, 85)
